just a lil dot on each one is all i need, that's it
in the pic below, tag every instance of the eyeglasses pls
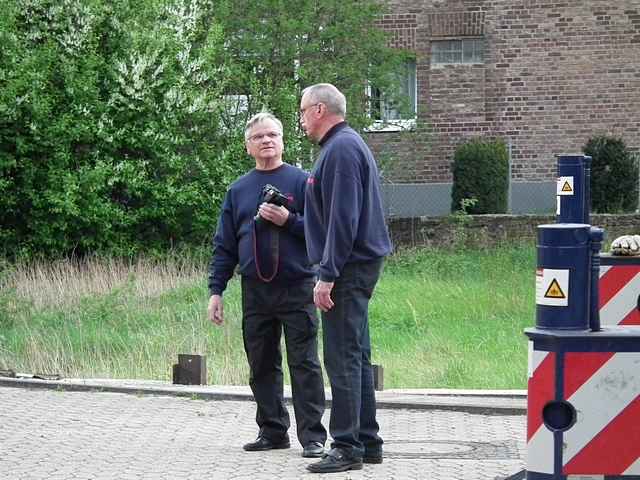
(268, 135)
(303, 110)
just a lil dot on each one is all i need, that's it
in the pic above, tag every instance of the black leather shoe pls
(313, 450)
(372, 456)
(372, 459)
(263, 443)
(336, 461)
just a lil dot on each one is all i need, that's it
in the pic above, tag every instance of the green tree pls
(121, 121)
(614, 175)
(276, 48)
(110, 140)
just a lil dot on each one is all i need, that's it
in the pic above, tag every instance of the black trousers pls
(347, 359)
(266, 309)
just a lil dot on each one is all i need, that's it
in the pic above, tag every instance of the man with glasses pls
(266, 241)
(347, 237)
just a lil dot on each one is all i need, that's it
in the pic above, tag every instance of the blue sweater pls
(233, 242)
(344, 219)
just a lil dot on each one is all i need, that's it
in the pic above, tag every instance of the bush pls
(109, 132)
(614, 175)
(481, 173)
(121, 121)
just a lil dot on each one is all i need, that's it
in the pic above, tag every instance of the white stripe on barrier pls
(540, 447)
(540, 451)
(604, 269)
(634, 468)
(622, 303)
(601, 398)
(535, 358)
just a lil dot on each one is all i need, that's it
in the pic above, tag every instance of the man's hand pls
(215, 312)
(626, 245)
(322, 295)
(274, 213)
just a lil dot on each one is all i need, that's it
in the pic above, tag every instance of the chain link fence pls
(434, 199)
(402, 200)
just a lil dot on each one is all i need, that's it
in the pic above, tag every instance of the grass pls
(455, 320)
(438, 319)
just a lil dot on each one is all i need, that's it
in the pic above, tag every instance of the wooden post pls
(378, 377)
(190, 370)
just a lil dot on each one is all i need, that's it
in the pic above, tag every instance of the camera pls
(271, 194)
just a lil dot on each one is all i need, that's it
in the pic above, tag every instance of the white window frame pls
(458, 47)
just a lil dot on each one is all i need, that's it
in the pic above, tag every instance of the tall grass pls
(455, 319)
(112, 318)
(65, 282)
(438, 319)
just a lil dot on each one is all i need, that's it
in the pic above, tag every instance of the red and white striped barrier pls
(604, 390)
(541, 390)
(619, 287)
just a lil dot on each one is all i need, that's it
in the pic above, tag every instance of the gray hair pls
(259, 118)
(326, 93)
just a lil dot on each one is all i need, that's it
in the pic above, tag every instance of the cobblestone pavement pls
(62, 435)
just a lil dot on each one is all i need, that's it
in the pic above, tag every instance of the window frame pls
(478, 44)
(384, 123)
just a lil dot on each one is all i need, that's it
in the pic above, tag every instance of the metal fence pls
(434, 199)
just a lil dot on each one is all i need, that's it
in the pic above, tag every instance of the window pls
(403, 107)
(460, 51)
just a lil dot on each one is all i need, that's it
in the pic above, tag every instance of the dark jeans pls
(266, 308)
(347, 359)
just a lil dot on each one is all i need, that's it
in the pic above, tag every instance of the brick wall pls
(555, 73)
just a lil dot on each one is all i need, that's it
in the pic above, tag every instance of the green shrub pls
(614, 175)
(121, 121)
(481, 173)
(109, 132)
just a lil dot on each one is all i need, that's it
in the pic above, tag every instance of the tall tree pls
(275, 48)
(109, 137)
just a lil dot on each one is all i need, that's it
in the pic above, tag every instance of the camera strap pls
(274, 234)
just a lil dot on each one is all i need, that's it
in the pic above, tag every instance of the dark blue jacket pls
(344, 219)
(233, 243)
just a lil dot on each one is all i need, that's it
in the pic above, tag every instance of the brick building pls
(544, 75)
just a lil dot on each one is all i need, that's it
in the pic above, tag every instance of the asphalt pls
(135, 429)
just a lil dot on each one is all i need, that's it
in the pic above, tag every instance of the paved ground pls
(55, 434)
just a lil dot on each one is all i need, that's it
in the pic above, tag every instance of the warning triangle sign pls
(554, 290)
(566, 187)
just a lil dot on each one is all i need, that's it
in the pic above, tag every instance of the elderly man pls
(277, 289)
(347, 237)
